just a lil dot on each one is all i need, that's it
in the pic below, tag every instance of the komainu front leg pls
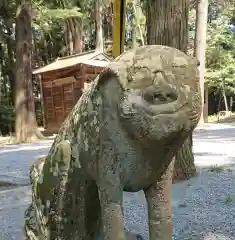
(61, 160)
(158, 198)
(110, 195)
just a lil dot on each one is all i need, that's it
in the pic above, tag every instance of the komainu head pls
(160, 95)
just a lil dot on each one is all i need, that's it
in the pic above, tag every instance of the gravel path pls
(203, 207)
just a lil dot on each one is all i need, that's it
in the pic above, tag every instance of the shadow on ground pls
(16, 160)
(203, 207)
(225, 134)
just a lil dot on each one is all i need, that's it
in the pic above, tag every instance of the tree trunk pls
(200, 45)
(135, 6)
(11, 72)
(184, 165)
(26, 127)
(134, 38)
(45, 55)
(1, 75)
(70, 36)
(74, 27)
(36, 55)
(133, 32)
(77, 37)
(99, 27)
(167, 24)
(225, 99)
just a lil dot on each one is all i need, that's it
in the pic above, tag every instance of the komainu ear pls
(109, 87)
(107, 74)
(197, 62)
(120, 69)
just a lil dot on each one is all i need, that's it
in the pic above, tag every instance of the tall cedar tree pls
(26, 126)
(200, 46)
(167, 24)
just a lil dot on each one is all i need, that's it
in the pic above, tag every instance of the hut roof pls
(92, 58)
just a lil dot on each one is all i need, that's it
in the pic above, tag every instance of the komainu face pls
(161, 92)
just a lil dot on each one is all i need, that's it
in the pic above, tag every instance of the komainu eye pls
(159, 96)
(154, 97)
(171, 96)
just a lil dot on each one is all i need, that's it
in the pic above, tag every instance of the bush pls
(7, 118)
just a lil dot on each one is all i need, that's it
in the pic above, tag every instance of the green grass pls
(217, 169)
(228, 119)
(6, 184)
(229, 199)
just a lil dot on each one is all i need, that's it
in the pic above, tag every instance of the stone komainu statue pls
(122, 135)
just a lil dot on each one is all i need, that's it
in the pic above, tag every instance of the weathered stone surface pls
(122, 135)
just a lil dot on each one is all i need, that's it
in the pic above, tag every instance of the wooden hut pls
(63, 82)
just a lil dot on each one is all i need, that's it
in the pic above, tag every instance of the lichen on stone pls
(109, 131)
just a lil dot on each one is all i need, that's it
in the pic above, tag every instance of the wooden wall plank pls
(63, 89)
(62, 98)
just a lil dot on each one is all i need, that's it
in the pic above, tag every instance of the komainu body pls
(122, 135)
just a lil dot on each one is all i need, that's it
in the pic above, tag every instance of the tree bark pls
(36, 55)
(11, 72)
(1, 75)
(167, 24)
(77, 38)
(135, 6)
(70, 36)
(200, 45)
(225, 99)
(25, 126)
(99, 27)
(134, 37)
(133, 32)
(74, 27)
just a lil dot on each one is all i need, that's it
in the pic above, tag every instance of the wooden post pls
(62, 98)
(83, 79)
(74, 102)
(42, 101)
(205, 109)
(119, 12)
(53, 105)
